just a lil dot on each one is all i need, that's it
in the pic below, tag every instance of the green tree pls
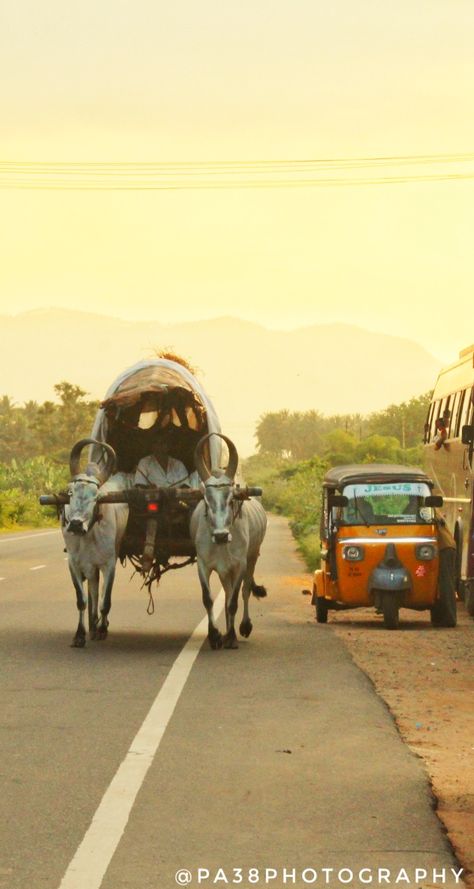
(378, 449)
(403, 421)
(341, 447)
(298, 435)
(273, 433)
(45, 429)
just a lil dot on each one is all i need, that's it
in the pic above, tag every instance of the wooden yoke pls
(143, 496)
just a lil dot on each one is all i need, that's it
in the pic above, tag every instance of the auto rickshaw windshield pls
(395, 503)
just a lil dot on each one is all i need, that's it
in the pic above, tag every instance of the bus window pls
(466, 408)
(447, 414)
(428, 423)
(458, 413)
(455, 415)
(434, 416)
(470, 412)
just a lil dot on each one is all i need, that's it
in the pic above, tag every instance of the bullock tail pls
(258, 591)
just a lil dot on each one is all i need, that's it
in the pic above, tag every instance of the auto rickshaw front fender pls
(318, 585)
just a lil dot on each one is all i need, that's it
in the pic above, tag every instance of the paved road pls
(278, 755)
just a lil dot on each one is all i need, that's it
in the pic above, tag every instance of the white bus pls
(449, 439)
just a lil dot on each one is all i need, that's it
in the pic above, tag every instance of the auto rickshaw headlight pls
(425, 552)
(353, 553)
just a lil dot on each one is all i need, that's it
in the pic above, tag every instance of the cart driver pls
(161, 470)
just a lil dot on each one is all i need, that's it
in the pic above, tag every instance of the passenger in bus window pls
(442, 427)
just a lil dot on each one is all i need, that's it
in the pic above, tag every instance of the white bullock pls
(227, 533)
(92, 534)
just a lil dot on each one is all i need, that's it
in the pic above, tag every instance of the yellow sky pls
(214, 80)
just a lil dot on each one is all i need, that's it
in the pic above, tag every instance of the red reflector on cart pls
(152, 507)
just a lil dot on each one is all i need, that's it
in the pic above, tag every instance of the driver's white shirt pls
(150, 472)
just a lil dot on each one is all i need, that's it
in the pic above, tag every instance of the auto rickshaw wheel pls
(390, 609)
(321, 610)
(443, 612)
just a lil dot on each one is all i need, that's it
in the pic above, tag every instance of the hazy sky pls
(215, 81)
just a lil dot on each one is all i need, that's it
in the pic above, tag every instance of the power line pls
(391, 159)
(214, 175)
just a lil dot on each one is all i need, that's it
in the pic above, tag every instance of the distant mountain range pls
(246, 368)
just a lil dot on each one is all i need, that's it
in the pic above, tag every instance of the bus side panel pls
(449, 468)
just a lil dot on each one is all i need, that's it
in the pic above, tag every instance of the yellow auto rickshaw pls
(379, 545)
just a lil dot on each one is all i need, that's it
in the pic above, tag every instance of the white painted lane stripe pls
(95, 853)
(27, 536)
(37, 567)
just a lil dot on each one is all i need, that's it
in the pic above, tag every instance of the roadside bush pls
(21, 483)
(293, 490)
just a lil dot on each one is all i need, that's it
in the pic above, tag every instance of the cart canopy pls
(155, 397)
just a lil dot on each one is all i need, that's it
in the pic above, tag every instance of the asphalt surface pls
(278, 755)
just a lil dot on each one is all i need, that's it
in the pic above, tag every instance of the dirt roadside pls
(426, 677)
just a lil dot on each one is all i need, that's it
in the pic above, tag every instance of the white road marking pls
(27, 536)
(95, 853)
(2, 578)
(37, 567)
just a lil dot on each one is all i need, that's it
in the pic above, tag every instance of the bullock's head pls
(83, 489)
(218, 490)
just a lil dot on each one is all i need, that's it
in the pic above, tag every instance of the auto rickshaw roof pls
(354, 473)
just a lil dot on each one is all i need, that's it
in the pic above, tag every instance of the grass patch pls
(292, 489)
(310, 548)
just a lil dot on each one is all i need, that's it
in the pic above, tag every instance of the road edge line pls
(27, 536)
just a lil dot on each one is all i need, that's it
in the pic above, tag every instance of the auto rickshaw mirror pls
(337, 500)
(434, 500)
(467, 435)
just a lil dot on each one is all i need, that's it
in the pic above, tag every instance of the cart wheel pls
(321, 610)
(390, 609)
(443, 612)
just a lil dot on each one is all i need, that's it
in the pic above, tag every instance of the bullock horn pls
(201, 467)
(111, 461)
(233, 457)
(199, 462)
(76, 451)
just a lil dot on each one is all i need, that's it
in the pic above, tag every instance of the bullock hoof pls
(101, 633)
(78, 642)
(215, 640)
(230, 640)
(246, 628)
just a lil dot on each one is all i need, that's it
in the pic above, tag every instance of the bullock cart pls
(155, 401)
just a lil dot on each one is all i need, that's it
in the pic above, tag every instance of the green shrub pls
(293, 490)
(21, 484)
